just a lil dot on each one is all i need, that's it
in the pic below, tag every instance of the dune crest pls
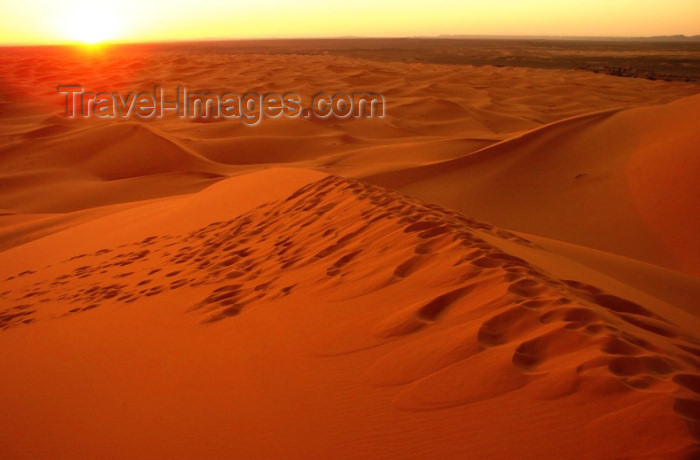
(617, 180)
(492, 329)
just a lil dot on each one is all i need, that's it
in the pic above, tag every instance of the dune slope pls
(620, 181)
(342, 320)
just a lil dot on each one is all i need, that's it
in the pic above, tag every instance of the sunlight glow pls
(99, 21)
(90, 24)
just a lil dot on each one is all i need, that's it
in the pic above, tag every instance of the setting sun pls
(90, 24)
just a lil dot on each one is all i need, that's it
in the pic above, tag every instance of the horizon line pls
(673, 37)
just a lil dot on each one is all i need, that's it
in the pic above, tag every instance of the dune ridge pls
(554, 180)
(526, 334)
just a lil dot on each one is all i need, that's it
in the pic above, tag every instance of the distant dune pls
(622, 181)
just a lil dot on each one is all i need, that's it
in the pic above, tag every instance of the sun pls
(91, 24)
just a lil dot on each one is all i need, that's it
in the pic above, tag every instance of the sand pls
(506, 266)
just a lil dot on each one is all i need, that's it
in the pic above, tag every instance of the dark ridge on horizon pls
(671, 58)
(662, 38)
(678, 37)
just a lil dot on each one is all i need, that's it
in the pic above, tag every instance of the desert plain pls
(506, 265)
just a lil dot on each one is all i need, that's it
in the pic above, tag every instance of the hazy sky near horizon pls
(51, 21)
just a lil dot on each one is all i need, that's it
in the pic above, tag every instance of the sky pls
(69, 21)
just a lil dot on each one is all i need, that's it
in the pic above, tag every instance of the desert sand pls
(505, 266)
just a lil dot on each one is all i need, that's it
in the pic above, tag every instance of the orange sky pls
(50, 21)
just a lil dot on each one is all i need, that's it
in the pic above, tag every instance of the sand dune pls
(415, 314)
(621, 181)
(505, 266)
(109, 167)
